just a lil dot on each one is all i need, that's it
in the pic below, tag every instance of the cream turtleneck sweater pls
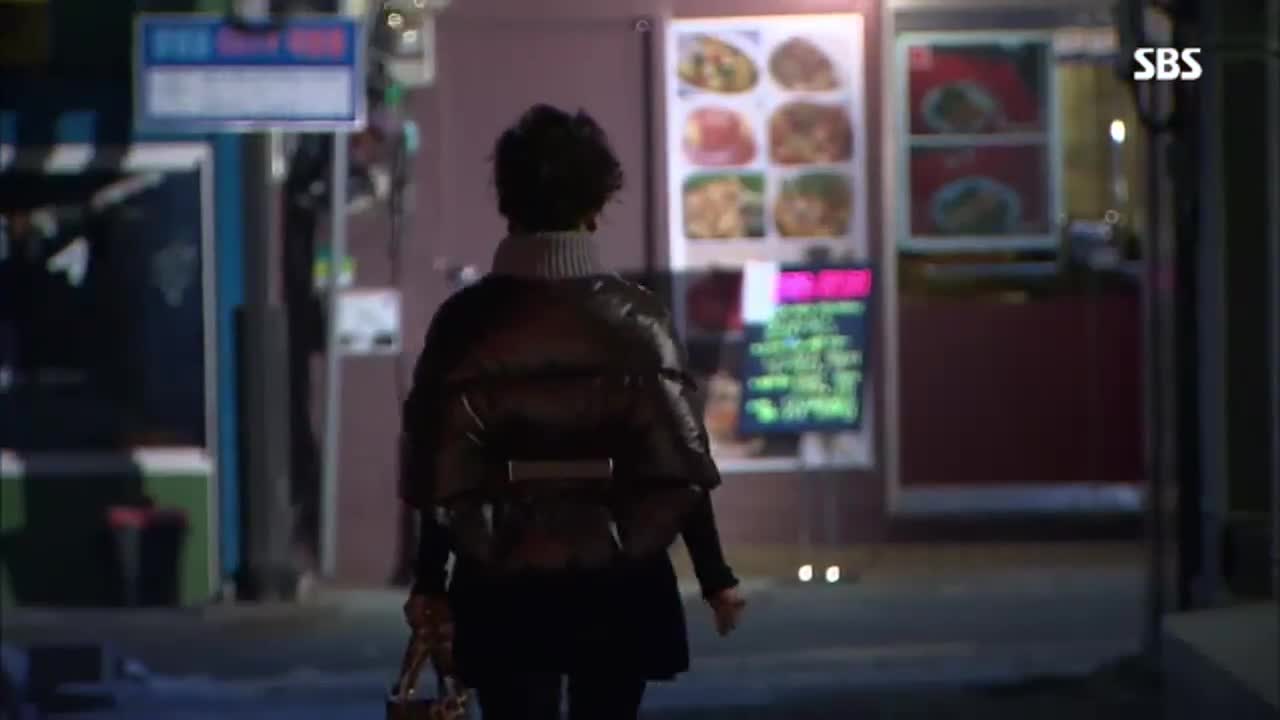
(548, 255)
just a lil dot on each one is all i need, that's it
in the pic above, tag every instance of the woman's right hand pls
(727, 605)
(431, 616)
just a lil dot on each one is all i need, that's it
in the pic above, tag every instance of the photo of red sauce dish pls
(718, 136)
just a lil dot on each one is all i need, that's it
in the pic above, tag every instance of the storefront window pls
(102, 310)
(1019, 322)
(979, 147)
(767, 167)
(1022, 160)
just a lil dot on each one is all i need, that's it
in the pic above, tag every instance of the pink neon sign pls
(805, 286)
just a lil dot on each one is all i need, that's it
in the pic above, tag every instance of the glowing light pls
(395, 21)
(1117, 131)
(833, 574)
(806, 573)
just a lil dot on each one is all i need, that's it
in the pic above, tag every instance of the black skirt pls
(626, 621)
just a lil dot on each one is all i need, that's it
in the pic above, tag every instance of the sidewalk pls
(911, 621)
(906, 604)
(761, 567)
(1113, 693)
(325, 604)
(882, 561)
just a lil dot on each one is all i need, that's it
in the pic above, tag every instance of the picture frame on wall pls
(979, 152)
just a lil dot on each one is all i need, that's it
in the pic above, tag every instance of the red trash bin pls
(148, 549)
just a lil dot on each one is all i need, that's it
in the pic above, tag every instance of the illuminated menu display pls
(805, 365)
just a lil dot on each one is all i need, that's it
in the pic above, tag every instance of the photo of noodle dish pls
(715, 64)
(962, 108)
(808, 133)
(801, 65)
(814, 205)
(976, 206)
(721, 206)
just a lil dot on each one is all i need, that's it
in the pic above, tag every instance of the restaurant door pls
(1020, 226)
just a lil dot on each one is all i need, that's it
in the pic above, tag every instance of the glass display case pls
(1020, 194)
(1022, 171)
(104, 314)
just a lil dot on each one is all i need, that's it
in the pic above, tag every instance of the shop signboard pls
(980, 169)
(766, 147)
(200, 73)
(804, 364)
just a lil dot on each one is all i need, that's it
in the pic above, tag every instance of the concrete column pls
(1233, 318)
(269, 572)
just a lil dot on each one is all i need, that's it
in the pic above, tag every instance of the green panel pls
(54, 546)
(190, 493)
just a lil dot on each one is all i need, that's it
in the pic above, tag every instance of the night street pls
(885, 647)
(938, 341)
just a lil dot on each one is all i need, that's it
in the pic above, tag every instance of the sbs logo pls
(1167, 64)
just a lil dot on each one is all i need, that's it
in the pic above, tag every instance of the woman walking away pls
(553, 449)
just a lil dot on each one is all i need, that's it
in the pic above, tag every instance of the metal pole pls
(1153, 401)
(269, 523)
(268, 509)
(333, 360)
(1272, 140)
(1211, 312)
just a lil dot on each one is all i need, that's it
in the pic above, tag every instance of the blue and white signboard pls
(197, 73)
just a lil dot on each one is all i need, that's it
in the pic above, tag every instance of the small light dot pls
(806, 573)
(833, 574)
(1118, 131)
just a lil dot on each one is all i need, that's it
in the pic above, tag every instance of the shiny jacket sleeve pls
(684, 414)
(419, 427)
(419, 442)
(700, 534)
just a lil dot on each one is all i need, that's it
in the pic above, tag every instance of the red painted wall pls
(1004, 394)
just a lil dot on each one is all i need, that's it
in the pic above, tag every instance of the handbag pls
(405, 702)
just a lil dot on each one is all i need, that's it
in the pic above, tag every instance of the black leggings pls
(536, 696)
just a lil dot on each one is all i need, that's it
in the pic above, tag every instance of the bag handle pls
(416, 654)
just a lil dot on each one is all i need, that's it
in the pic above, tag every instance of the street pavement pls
(1011, 641)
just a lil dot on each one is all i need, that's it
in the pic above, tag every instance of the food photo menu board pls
(981, 172)
(765, 139)
(766, 142)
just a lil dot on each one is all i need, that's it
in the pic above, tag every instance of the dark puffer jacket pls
(528, 369)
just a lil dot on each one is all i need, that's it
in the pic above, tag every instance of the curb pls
(753, 680)
(689, 589)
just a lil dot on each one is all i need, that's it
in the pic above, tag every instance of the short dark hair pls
(553, 170)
